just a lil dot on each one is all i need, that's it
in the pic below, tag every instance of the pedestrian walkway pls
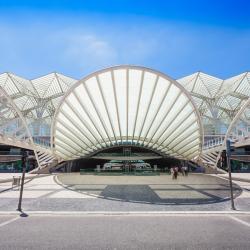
(5, 177)
(45, 186)
(237, 176)
(75, 192)
(191, 190)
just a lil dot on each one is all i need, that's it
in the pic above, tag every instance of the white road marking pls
(240, 221)
(133, 213)
(9, 221)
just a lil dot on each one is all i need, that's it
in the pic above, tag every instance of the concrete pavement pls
(237, 176)
(192, 190)
(150, 194)
(8, 177)
(39, 187)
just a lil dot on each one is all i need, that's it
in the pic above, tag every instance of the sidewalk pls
(8, 177)
(237, 176)
(102, 194)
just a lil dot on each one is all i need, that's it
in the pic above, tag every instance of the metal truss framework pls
(238, 132)
(219, 103)
(14, 130)
(13, 126)
(27, 109)
(218, 100)
(127, 105)
(239, 128)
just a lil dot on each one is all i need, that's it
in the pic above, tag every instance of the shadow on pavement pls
(163, 194)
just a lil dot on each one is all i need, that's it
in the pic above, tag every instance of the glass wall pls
(240, 166)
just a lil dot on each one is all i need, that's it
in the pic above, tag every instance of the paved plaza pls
(191, 190)
(75, 192)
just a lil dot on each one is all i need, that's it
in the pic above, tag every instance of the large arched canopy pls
(127, 105)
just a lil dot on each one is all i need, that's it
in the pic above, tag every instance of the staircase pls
(211, 152)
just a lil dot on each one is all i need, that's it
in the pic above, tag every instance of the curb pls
(124, 213)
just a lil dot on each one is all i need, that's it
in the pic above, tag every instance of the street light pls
(24, 159)
(228, 149)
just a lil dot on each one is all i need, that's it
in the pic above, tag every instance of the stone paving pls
(74, 192)
(9, 176)
(237, 176)
(194, 189)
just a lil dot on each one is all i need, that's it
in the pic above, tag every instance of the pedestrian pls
(175, 172)
(183, 170)
(186, 170)
(172, 172)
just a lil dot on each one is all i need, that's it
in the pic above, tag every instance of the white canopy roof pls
(123, 105)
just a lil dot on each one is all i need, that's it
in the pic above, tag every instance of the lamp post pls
(24, 159)
(228, 149)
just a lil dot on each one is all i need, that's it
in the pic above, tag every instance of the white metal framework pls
(124, 105)
(26, 110)
(131, 105)
(239, 129)
(220, 103)
(238, 132)
(218, 100)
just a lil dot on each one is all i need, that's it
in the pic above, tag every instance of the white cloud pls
(88, 49)
(78, 47)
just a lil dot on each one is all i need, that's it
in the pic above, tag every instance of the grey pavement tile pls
(195, 193)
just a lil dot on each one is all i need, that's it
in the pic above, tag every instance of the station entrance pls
(127, 160)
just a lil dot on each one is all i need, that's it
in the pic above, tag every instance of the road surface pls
(187, 231)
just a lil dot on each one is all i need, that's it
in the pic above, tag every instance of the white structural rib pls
(127, 105)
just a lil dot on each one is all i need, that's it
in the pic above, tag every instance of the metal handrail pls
(213, 142)
(42, 142)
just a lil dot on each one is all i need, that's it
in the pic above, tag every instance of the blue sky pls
(79, 37)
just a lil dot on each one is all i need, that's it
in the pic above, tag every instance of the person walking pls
(175, 172)
(172, 172)
(186, 170)
(183, 170)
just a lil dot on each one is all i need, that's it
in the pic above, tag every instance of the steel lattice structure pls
(120, 105)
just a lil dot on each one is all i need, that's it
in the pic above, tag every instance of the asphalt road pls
(125, 232)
